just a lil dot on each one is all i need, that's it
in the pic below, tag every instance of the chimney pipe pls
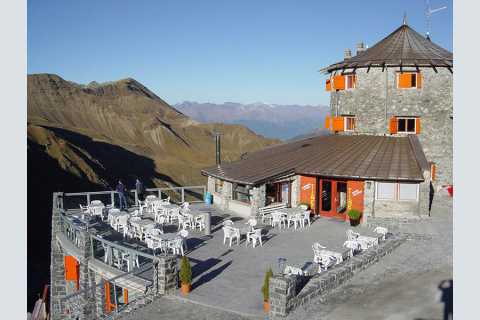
(347, 54)
(360, 47)
(217, 148)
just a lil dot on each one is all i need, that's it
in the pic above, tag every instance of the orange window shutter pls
(393, 125)
(328, 85)
(419, 80)
(339, 82)
(433, 171)
(71, 268)
(125, 296)
(354, 81)
(417, 125)
(404, 80)
(338, 124)
(327, 122)
(108, 305)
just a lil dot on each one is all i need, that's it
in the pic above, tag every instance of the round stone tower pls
(402, 85)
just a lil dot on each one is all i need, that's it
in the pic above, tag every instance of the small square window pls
(349, 123)
(406, 125)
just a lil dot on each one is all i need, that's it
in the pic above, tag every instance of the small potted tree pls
(354, 216)
(266, 290)
(185, 276)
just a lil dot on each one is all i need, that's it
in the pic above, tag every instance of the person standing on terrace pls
(121, 193)
(140, 190)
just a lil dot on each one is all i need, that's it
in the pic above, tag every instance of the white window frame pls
(396, 192)
(387, 199)
(416, 79)
(406, 126)
(352, 75)
(345, 120)
(416, 192)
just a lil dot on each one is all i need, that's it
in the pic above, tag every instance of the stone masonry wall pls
(257, 199)
(376, 99)
(57, 271)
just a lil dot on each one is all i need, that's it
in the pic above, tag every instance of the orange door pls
(333, 198)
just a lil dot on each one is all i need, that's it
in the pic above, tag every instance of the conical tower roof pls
(403, 47)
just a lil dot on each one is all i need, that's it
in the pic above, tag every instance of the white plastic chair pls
(184, 235)
(306, 217)
(126, 260)
(381, 230)
(231, 233)
(353, 245)
(199, 222)
(351, 235)
(176, 246)
(278, 218)
(254, 237)
(228, 223)
(290, 270)
(296, 219)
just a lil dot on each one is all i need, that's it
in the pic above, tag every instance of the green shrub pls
(185, 271)
(354, 214)
(266, 284)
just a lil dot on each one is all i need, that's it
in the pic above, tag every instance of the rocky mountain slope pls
(270, 120)
(86, 137)
(73, 122)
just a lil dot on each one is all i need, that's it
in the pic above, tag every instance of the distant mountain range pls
(270, 120)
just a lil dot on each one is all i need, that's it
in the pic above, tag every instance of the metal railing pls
(119, 256)
(73, 200)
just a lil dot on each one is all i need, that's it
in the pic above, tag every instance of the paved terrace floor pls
(231, 277)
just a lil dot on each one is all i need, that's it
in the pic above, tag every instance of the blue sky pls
(215, 51)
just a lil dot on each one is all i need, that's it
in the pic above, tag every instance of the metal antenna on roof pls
(428, 14)
(405, 18)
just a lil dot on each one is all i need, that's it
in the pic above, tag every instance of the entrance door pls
(333, 198)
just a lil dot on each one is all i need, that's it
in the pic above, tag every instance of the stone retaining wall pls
(284, 299)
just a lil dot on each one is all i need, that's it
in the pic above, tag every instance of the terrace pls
(223, 275)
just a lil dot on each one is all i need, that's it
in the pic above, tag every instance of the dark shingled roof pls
(403, 47)
(340, 156)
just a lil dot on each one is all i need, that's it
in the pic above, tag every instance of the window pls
(350, 81)
(218, 185)
(241, 193)
(341, 82)
(349, 123)
(406, 80)
(385, 191)
(407, 191)
(397, 191)
(405, 125)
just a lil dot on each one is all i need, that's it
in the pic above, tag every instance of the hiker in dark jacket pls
(140, 190)
(121, 193)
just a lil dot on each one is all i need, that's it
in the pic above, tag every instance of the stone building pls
(391, 143)
(402, 85)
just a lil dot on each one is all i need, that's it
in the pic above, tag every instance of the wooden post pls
(183, 194)
(159, 194)
(88, 199)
